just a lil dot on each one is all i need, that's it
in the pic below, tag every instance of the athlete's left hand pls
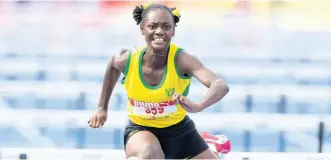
(187, 104)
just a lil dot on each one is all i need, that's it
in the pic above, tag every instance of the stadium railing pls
(85, 95)
(291, 123)
(97, 154)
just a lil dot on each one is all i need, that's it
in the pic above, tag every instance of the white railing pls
(97, 68)
(97, 154)
(118, 119)
(295, 125)
(72, 89)
(27, 130)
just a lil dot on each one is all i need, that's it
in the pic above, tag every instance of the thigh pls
(171, 147)
(195, 147)
(207, 154)
(142, 144)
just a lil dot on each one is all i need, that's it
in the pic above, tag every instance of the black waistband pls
(182, 128)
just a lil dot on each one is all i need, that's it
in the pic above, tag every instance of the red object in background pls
(2, 15)
(243, 5)
(106, 6)
(222, 143)
(111, 3)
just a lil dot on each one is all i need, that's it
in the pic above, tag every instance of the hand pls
(98, 119)
(187, 104)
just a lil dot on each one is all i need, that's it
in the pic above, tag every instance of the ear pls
(142, 29)
(173, 33)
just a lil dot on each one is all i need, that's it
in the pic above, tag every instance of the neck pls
(155, 59)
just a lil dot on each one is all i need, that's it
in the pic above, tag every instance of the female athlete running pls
(157, 80)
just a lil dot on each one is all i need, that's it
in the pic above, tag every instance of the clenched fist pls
(98, 119)
(187, 104)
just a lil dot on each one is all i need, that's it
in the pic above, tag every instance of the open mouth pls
(158, 40)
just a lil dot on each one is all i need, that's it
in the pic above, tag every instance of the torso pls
(153, 77)
(150, 91)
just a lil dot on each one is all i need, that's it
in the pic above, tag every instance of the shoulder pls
(185, 61)
(119, 60)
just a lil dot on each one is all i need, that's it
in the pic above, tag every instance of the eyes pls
(163, 26)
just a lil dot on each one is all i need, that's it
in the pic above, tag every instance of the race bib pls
(153, 109)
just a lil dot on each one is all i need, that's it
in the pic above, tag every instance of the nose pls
(159, 31)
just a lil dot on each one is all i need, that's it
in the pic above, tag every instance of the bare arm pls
(112, 74)
(189, 64)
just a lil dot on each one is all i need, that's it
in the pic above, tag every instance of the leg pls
(207, 154)
(143, 145)
(190, 144)
(194, 147)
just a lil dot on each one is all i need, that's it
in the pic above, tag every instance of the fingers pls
(92, 121)
(102, 123)
(176, 97)
(182, 100)
(97, 121)
(89, 122)
(179, 99)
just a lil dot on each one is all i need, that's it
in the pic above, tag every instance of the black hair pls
(139, 12)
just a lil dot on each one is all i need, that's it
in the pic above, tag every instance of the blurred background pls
(275, 55)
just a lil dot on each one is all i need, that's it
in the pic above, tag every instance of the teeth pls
(159, 39)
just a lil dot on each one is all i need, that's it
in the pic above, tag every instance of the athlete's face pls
(158, 28)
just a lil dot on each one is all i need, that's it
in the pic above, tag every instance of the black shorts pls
(179, 141)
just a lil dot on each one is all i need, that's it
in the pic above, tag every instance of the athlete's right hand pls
(98, 119)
